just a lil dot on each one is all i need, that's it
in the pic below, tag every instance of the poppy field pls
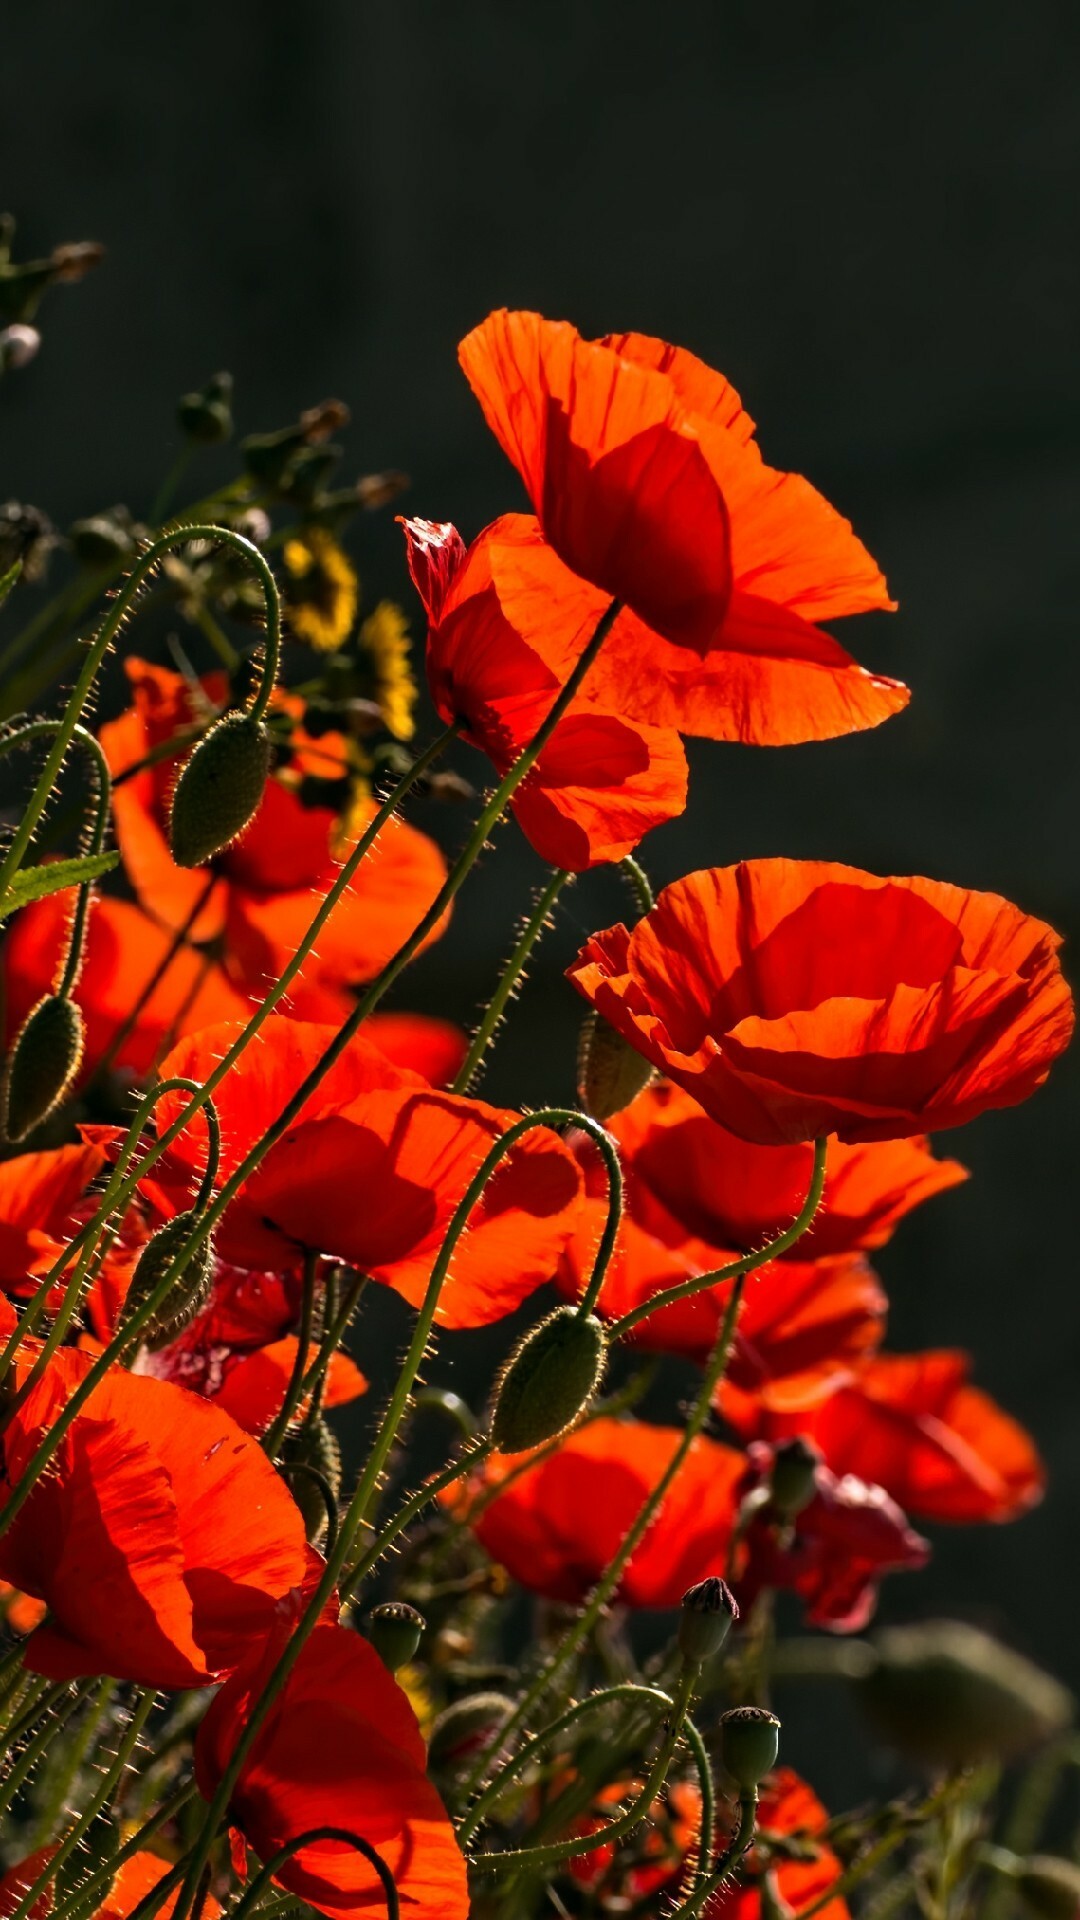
(254, 1660)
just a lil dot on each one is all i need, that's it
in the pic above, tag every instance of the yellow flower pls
(323, 593)
(385, 638)
(411, 1681)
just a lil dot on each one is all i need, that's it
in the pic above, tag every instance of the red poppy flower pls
(833, 1554)
(371, 1172)
(18, 1880)
(613, 467)
(134, 1880)
(943, 1449)
(340, 1747)
(663, 1844)
(43, 1202)
(559, 1523)
(260, 894)
(788, 1809)
(799, 998)
(602, 781)
(767, 674)
(161, 1540)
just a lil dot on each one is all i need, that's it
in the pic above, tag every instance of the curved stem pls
(99, 646)
(735, 1269)
(609, 1153)
(605, 1588)
(707, 1825)
(284, 1854)
(86, 1894)
(739, 1844)
(33, 730)
(634, 872)
(508, 982)
(294, 1392)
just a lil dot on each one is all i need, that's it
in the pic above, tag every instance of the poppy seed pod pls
(206, 416)
(189, 1290)
(548, 1381)
(219, 789)
(395, 1631)
(610, 1072)
(951, 1696)
(794, 1476)
(708, 1614)
(312, 1449)
(43, 1062)
(1049, 1888)
(749, 1742)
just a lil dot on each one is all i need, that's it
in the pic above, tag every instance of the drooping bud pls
(306, 1452)
(749, 1743)
(44, 1060)
(611, 1073)
(1049, 1888)
(708, 1614)
(219, 789)
(951, 1696)
(467, 1729)
(548, 1380)
(395, 1630)
(206, 415)
(793, 1477)
(189, 1290)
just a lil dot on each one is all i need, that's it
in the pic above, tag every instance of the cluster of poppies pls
(667, 583)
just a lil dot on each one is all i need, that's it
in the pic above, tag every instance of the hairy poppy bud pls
(951, 1696)
(219, 788)
(395, 1630)
(309, 1455)
(43, 1063)
(103, 539)
(1049, 1888)
(611, 1073)
(188, 1291)
(793, 1477)
(708, 1615)
(749, 1743)
(466, 1729)
(206, 416)
(548, 1381)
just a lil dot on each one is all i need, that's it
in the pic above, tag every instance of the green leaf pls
(34, 883)
(8, 580)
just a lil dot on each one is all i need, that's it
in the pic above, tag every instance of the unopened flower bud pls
(395, 1630)
(307, 473)
(467, 1729)
(219, 789)
(793, 1477)
(310, 1455)
(548, 1381)
(708, 1614)
(18, 346)
(951, 1696)
(188, 1291)
(1049, 1888)
(206, 415)
(44, 1060)
(611, 1073)
(749, 1743)
(103, 539)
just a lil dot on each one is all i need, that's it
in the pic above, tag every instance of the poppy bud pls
(949, 1695)
(315, 1446)
(548, 1380)
(611, 1073)
(395, 1630)
(708, 1615)
(18, 346)
(749, 1743)
(219, 789)
(103, 539)
(465, 1730)
(206, 416)
(1049, 1888)
(793, 1477)
(188, 1291)
(42, 1064)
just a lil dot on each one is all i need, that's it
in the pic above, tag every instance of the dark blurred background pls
(867, 217)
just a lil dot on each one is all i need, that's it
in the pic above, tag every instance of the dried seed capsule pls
(548, 1381)
(43, 1062)
(749, 1743)
(951, 1696)
(708, 1615)
(611, 1073)
(313, 1446)
(793, 1478)
(189, 1290)
(219, 789)
(395, 1631)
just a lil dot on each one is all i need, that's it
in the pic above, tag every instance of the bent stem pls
(709, 1882)
(96, 843)
(266, 1873)
(748, 1263)
(509, 980)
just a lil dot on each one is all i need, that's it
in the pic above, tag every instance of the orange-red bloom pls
(602, 781)
(799, 998)
(131, 1883)
(740, 658)
(340, 1747)
(371, 1172)
(912, 1422)
(161, 1540)
(260, 894)
(788, 1808)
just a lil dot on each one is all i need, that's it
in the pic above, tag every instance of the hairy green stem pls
(741, 1841)
(33, 730)
(294, 1392)
(509, 979)
(250, 1898)
(472, 1456)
